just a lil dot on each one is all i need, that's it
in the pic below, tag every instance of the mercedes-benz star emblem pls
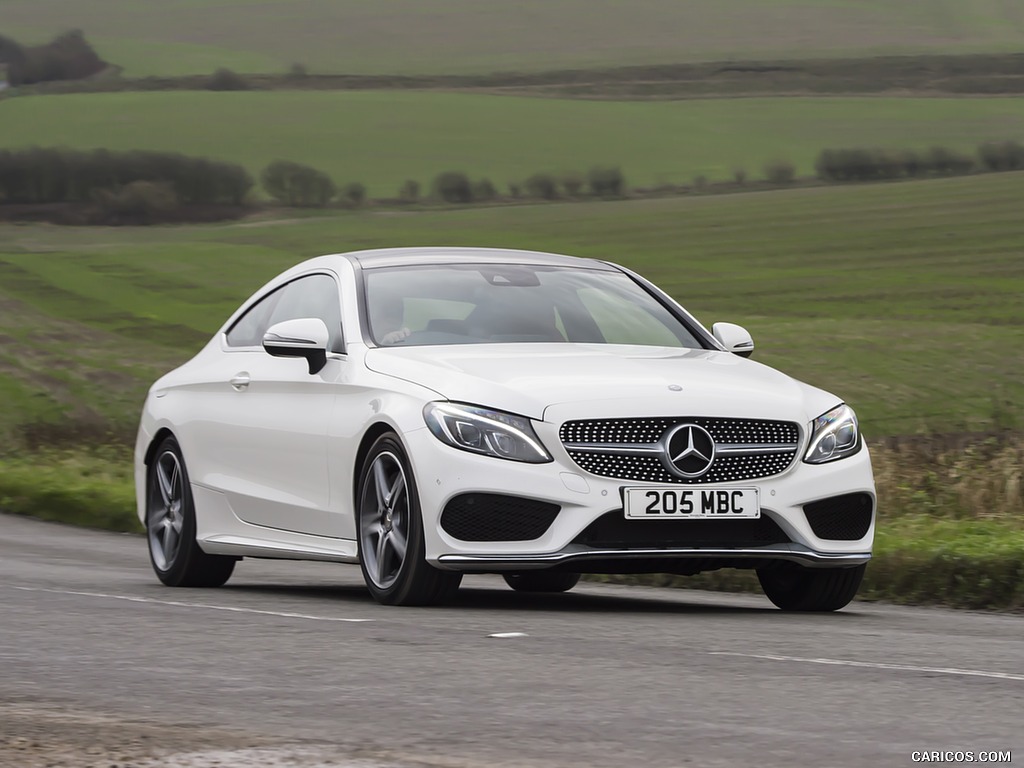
(690, 450)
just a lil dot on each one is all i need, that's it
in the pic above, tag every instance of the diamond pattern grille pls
(651, 468)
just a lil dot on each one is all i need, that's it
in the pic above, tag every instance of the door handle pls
(240, 381)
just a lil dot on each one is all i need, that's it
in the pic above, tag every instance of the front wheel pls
(796, 588)
(541, 581)
(391, 547)
(171, 526)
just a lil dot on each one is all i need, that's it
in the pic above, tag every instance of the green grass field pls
(903, 298)
(409, 36)
(383, 138)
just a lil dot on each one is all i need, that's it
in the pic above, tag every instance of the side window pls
(248, 330)
(312, 296)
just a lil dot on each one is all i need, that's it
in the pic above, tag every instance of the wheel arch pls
(370, 436)
(161, 434)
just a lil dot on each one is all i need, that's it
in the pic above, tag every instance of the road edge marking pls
(179, 604)
(875, 665)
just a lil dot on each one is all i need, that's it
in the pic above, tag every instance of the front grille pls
(493, 517)
(840, 518)
(650, 430)
(650, 468)
(632, 449)
(613, 530)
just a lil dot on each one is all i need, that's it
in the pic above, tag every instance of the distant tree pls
(354, 193)
(606, 182)
(410, 191)
(948, 162)
(572, 184)
(226, 80)
(453, 187)
(543, 186)
(297, 185)
(143, 201)
(1001, 155)
(911, 163)
(484, 190)
(67, 57)
(52, 175)
(10, 51)
(235, 183)
(780, 172)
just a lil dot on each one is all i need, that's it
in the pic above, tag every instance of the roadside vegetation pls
(80, 488)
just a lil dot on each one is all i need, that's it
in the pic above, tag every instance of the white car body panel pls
(535, 379)
(273, 466)
(264, 445)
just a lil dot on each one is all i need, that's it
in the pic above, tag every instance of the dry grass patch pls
(953, 477)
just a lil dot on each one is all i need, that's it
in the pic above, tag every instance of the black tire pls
(541, 581)
(388, 510)
(795, 588)
(171, 525)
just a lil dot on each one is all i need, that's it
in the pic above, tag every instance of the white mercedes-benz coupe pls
(429, 412)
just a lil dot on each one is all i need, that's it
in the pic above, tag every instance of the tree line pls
(67, 57)
(51, 175)
(148, 185)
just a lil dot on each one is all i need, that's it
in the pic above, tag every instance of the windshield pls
(494, 303)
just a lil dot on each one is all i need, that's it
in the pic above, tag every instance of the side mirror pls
(306, 337)
(735, 338)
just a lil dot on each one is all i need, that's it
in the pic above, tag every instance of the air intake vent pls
(614, 531)
(494, 517)
(840, 518)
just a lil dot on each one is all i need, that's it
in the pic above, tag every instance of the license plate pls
(692, 503)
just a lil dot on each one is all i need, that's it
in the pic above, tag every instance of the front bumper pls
(576, 558)
(443, 472)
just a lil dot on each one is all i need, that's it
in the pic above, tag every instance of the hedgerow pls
(49, 175)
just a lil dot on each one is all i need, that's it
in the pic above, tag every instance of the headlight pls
(834, 435)
(481, 430)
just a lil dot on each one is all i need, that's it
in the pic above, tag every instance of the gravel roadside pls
(40, 736)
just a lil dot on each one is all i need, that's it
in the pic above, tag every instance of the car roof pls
(402, 257)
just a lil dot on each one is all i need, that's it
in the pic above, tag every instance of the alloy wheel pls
(166, 513)
(384, 520)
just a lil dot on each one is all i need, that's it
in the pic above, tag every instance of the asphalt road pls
(292, 664)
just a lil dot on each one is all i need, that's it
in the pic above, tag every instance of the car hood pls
(555, 382)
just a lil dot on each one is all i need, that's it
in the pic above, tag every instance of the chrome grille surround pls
(635, 449)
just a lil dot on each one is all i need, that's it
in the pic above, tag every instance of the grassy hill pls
(410, 36)
(903, 298)
(383, 138)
